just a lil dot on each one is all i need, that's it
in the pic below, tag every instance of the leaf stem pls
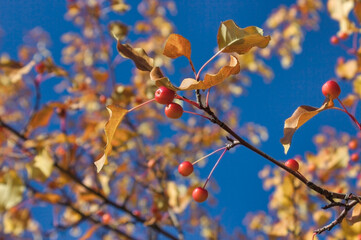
(198, 115)
(188, 101)
(141, 105)
(349, 114)
(204, 65)
(208, 155)
(215, 165)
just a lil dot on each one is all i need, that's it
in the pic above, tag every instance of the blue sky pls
(266, 104)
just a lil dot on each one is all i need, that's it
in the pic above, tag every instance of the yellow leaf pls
(176, 46)
(48, 197)
(321, 217)
(279, 229)
(357, 86)
(209, 81)
(116, 115)
(11, 189)
(298, 118)
(356, 215)
(231, 38)
(42, 167)
(16, 75)
(339, 9)
(347, 70)
(118, 30)
(140, 58)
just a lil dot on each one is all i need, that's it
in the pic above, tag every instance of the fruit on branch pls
(164, 95)
(200, 194)
(40, 68)
(292, 164)
(102, 99)
(331, 89)
(106, 218)
(334, 40)
(173, 110)
(355, 157)
(185, 168)
(353, 144)
(343, 36)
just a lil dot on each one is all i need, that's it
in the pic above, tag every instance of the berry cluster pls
(166, 96)
(353, 145)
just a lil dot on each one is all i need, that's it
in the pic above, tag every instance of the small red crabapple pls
(292, 164)
(353, 144)
(334, 40)
(173, 110)
(331, 89)
(343, 36)
(164, 95)
(102, 99)
(185, 168)
(40, 68)
(106, 218)
(200, 194)
(354, 157)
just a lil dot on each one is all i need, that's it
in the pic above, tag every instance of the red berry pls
(293, 164)
(40, 68)
(164, 95)
(343, 36)
(200, 194)
(334, 40)
(354, 157)
(61, 112)
(136, 213)
(102, 99)
(106, 218)
(185, 168)
(173, 110)
(340, 60)
(352, 145)
(331, 89)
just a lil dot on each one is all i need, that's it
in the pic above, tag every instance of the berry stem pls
(141, 105)
(209, 155)
(204, 65)
(349, 114)
(198, 115)
(207, 97)
(215, 165)
(188, 101)
(354, 40)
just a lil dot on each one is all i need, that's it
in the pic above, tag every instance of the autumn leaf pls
(356, 215)
(231, 38)
(116, 116)
(17, 74)
(298, 118)
(339, 9)
(42, 166)
(140, 58)
(89, 233)
(357, 10)
(209, 81)
(347, 70)
(48, 197)
(118, 30)
(176, 46)
(11, 189)
(40, 119)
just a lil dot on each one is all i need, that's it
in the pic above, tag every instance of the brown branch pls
(106, 200)
(339, 219)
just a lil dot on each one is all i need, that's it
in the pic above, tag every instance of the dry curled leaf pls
(339, 9)
(116, 116)
(231, 38)
(48, 197)
(177, 46)
(209, 81)
(356, 215)
(118, 30)
(140, 58)
(298, 118)
(40, 119)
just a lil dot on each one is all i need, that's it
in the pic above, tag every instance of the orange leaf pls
(116, 116)
(90, 232)
(40, 118)
(231, 38)
(177, 46)
(298, 118)
(140, 58)
(48, 197)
